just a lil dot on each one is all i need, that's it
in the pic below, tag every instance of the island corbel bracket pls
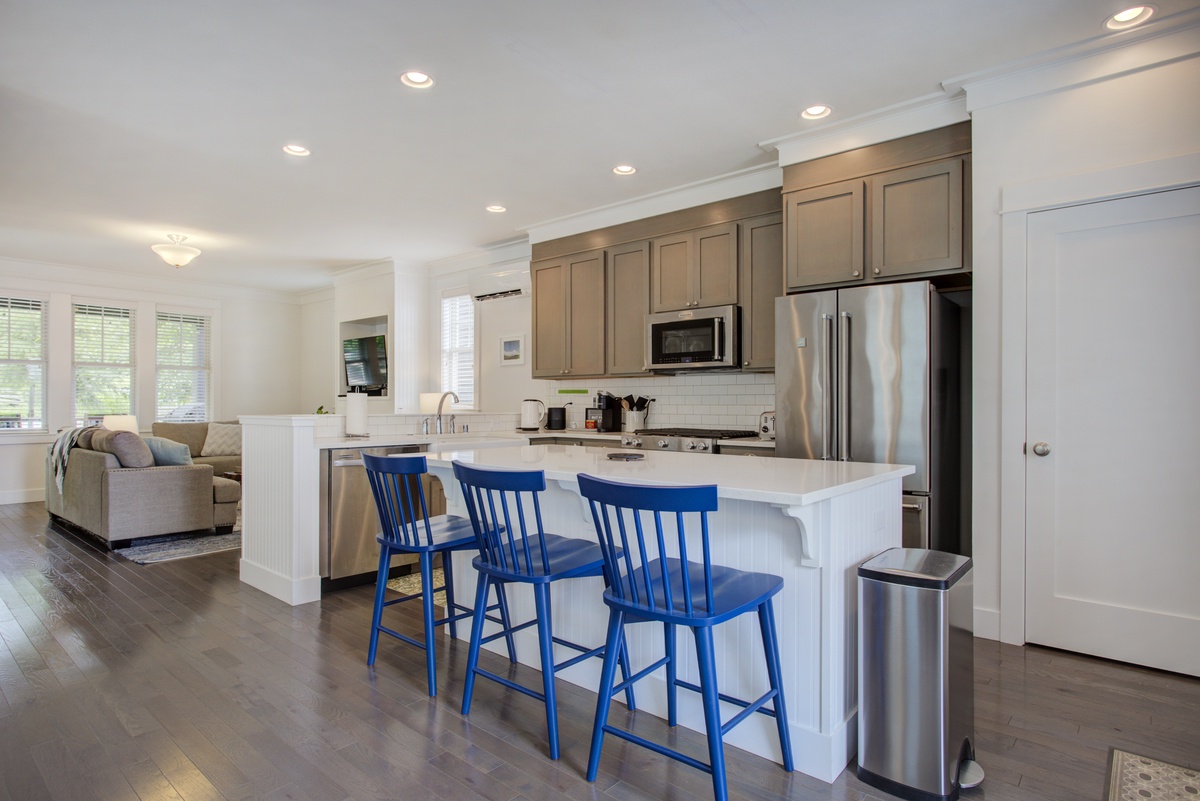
(804, 519)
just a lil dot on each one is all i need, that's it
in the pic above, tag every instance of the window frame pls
(131, 309)
(43, 307)
(208, 369)
(443, 351)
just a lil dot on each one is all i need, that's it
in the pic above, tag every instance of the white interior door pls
(1113, 383)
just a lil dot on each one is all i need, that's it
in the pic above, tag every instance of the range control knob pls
(690, 445)
(635, 442)
(701, 446)
(662, 443)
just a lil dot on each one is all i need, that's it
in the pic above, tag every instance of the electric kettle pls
(533, 414)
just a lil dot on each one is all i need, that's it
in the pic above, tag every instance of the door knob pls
(1041, 448)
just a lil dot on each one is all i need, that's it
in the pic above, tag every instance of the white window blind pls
(22, 364)
(184, 367)
(105, 375)
(458, 347)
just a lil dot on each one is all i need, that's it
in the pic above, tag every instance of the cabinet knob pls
(877, 271)
(745, 364)
(855, 273)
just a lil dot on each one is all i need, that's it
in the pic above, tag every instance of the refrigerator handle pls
(827, 345)
(844, 387)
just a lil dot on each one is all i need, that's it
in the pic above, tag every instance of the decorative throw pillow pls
(222, 440)
(85, 438)
(168, 451)
(129, 448)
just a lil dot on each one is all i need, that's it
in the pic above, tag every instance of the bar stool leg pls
(623, 661)
(712, 709)
(385, 556)
(541, 597)
(451, 610)
(672, 694)
(430, 629)
(506, 621)
(607, 673)
(481, 594)
(766, 622)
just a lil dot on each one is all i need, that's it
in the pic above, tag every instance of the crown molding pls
(721, 187)
(371, 269)
(926, 113)
(1168, 40)
(512, 251)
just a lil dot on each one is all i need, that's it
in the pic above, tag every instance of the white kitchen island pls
(810, 522)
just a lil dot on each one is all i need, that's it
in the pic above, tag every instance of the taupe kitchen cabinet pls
(628, 303)
(917, 219)
(695, 268)
(568, 316)
(761, 282)
(825, 234)
(902, 222)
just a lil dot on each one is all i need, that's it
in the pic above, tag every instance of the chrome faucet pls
(439, 412)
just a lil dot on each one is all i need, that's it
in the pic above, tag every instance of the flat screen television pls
(366, 362)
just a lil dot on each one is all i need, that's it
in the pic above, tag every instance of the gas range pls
(687, 440)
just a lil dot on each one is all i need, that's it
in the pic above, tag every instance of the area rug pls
(179, 546)
(1132, 777)
(411, 585)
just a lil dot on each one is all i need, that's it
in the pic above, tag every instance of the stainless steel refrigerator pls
(879, 374)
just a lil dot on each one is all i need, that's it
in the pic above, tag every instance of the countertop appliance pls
(766, 425)
(687, 440)
(877, 374)
(693, 339)
(533, 414)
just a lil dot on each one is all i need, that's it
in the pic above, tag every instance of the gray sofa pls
(193, 435)
(117, 504)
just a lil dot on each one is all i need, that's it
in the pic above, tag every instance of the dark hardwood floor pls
(175, 681)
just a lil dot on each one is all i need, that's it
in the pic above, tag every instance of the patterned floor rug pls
(411, 585)
(1132, 777)
(179, 546)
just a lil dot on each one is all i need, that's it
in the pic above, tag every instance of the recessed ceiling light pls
(295, 150)
(816, 112)
(496, 209)
(625, 169)
(1129, 18)
(416, 79)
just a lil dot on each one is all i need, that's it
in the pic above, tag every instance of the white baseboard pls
(23, 496)
(987, 624)
(290, 591)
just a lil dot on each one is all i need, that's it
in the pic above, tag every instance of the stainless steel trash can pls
(916, 709)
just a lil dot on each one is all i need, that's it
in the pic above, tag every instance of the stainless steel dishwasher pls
(349, 522)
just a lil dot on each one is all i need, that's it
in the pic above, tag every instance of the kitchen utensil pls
(634, 421)
(533, 414)
(556, 418)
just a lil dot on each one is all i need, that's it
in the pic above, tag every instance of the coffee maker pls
(605, 415)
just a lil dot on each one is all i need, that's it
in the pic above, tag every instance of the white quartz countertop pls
(490, 439)
(790, 482)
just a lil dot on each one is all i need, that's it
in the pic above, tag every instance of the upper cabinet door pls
(549, 280)
(762, 282)
(586, 320)
(671, 271)
(917, 219)
(628, 303)
(715, 274)
(825, 235)
(695, 268)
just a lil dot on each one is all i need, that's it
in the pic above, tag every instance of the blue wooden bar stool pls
(647, 585)
(408, 528)
(513, 549)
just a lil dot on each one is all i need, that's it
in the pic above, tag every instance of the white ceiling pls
(122, 121)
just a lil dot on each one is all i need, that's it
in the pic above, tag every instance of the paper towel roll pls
(356, 414)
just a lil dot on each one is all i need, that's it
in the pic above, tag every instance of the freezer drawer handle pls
(916, 507)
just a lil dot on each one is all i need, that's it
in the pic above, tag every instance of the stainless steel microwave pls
(693, 339)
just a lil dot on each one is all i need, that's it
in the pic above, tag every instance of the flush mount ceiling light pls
(1129, 18)
(816, 112)
(416, 79)
(496, 209)
(176, 253)
(624, 169)
(295, 150)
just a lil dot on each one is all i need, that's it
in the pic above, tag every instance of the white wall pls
(248, 324)
(319, 363)
(1114, 109)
